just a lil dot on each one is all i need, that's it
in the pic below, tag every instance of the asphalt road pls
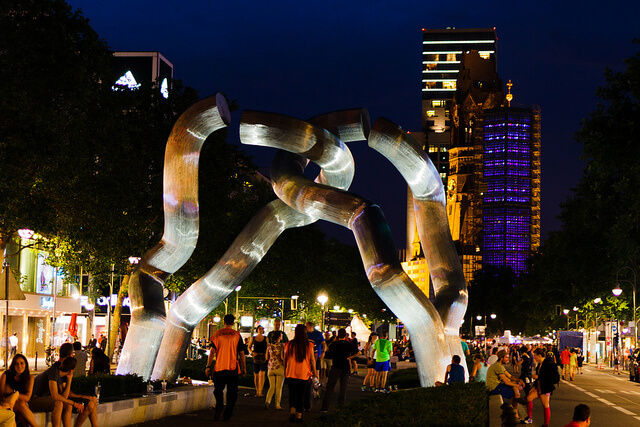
(613, 399)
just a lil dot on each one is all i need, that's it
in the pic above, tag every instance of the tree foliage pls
(601, 220)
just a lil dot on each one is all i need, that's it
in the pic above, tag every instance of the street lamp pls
(322, 299)
(575, 309)
(237, 290)
(566, 313)
(617, 292)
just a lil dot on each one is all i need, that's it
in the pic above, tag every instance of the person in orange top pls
(300, 366)
(228, 347)
(565, 359)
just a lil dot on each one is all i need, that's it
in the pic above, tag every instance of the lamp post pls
(617, 292)
(322, 299)
(237, 297)
(566, 313)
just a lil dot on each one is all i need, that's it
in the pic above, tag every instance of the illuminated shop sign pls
(46, 302)
(102, 301)
(126, 80)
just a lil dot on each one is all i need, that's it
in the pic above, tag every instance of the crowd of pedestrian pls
(302, 363)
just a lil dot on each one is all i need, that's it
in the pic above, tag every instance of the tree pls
(52, 66)
(601, 220)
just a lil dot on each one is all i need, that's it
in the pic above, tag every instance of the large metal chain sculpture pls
(157, 342)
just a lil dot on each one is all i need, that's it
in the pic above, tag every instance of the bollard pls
(35, 368)
(509, 418)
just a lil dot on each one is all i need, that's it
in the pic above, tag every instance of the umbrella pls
(73, 325)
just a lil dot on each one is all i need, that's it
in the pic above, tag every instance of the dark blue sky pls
(303, 58)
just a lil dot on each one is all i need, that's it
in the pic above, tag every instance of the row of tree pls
(600, 234)
(82, 165)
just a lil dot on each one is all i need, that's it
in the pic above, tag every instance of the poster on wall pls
(44, 275)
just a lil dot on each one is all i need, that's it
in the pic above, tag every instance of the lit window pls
(443, 175)
(433, 149)
(451, 84)
(437, 103)
(431, 113)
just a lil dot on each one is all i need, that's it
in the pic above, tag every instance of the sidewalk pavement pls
(250, 411)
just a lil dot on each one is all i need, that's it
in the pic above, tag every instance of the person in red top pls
(300, 366)
(227, 346)
(581, 416)
(565, 359)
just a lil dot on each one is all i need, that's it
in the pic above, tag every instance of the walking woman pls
(18, 378)
(275, 362)
(300, 366)
(370, 378)
(258, 347)
(546, 373)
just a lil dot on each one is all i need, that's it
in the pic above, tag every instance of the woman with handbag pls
(258, 347)
(300, 367)
(275, 362)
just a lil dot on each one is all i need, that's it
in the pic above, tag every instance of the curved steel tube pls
(405, 154)
(181, 216)
(261, 232)
(374, 241)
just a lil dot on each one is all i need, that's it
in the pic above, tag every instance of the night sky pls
(303, 58)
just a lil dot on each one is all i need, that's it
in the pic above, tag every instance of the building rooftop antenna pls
(509, 96)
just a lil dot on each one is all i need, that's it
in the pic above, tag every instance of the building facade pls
(442, 53)
(487, 152)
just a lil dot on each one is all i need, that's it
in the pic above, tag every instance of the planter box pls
(141, 409)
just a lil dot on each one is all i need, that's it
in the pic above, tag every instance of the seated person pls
(7, 416)
(99, 362)
(499, 381)
(81, 357)
(454, 373)
(18, 379)
(52, 393)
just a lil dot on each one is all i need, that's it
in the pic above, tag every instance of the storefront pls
(32, 321)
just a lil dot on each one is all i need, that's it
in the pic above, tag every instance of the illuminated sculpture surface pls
(157, 341)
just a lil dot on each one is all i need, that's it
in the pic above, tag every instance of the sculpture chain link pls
(157, 341)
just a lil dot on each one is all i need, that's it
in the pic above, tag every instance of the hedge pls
(452, 405)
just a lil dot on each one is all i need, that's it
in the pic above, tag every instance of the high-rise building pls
(487, 152)
(511, 173)
(442, 52)
(493, 188)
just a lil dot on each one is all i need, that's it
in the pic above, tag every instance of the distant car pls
(634, 366)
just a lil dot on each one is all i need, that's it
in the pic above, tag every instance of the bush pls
(404, 378)
(111, 385)
(452, 405)
(194, 369)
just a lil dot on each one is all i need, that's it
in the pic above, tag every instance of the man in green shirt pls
(382, 349)
(499, 381)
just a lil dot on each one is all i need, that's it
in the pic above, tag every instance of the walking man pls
(383, 349)
(13, 343)
(565, 359)
(277, 323)
(342, 352)
(227, 345)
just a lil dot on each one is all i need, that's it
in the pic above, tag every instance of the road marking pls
(579, 388)
(600, 390)
(595, 396)
(637, 418)
(624, 411)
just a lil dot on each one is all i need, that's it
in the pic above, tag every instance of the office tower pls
(511, 172)
(493, 188)
(442, 52)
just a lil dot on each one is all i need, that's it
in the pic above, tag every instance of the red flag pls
(73, 325)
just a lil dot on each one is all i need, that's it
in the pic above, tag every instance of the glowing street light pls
(322, 299)
(237, 289)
